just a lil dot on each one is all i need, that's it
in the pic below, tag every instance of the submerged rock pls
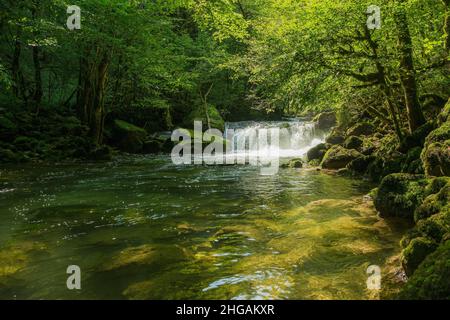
(338, 157)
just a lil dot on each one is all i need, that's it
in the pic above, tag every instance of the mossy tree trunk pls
(91, 95)
(407, 71)
(384, 83)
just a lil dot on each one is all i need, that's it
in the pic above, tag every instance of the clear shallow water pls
(142, 228)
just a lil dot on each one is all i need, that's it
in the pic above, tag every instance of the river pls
(140, 227)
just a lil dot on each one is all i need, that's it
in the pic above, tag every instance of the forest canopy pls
(153, 63)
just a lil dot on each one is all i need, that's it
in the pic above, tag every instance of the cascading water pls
(296, 137)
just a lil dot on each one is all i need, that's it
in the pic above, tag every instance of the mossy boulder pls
(416, 251)
(361, 129)
(338, 157)
(384, 165)
(325, 120)
(353, 142)
(128, 137)
(417, 138)
(436, 201)
(444, 116)
(360, 164)
(399, 195)
(413, 163)
(317, 152)
(436, 153)
(430, 281)
(335, 137)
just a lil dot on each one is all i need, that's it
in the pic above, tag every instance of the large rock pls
(335, 137)
(444, 116)
(360, 164)
(325, 120)
(417, 250)
(338, 157)
(353, 142)
(436, 152)
(431, 279)
(399, 195)
(128, 137)
(317, 152)
(361, 129)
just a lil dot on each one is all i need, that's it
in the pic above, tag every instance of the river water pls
(143, 228)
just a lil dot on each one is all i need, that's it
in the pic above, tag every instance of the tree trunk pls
(384, 84)
(38, 92)
(407, 72)
(15, 67)
(98, 115)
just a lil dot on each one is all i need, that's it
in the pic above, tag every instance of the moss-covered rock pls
(430, 281)
(416, 251)
(317, 152)
(335, 137)
(444, 116)
(338, 157)
(400, 194)
(437, 199)
(384, 165)
(436, 152)
(417, 138)
(296, 163)
(128, 137)
(361, 129)
(325, 120)
(360, 164)
(353, 142)
(413, 163)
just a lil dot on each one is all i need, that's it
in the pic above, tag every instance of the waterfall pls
(296, 137)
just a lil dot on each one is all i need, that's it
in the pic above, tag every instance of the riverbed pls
(141, 227)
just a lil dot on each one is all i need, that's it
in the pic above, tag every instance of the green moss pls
(128, 127)
(437, 200)
(400, 194)
(338, 157)
(416, 251)
(409, 236)
(353, 142)
(444, 116)
(431, 279)
(360, 164)
(361, 129)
